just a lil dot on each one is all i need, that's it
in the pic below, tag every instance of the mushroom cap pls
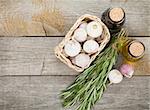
(94, 29)
(90, 46)
(83, 25)
(82, 60)
(80, 34)
(72, 48)
(115, 76)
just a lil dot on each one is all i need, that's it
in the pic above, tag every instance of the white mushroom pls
(82, 60)
(90, 46)
(94, 29)
(115, 76)
(83, 25)
(72, 48)
(80, 34)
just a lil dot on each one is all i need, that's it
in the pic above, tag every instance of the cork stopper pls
(116, 14)
(136, 49)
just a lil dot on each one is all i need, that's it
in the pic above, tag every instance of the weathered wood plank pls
(55, 17)
(35, 56)
(42, 93)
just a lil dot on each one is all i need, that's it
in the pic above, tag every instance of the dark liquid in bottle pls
(114, 19)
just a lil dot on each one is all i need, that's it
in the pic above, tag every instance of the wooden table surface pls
(31, 78)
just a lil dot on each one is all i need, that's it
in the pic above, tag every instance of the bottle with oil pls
(114, 18)
(133, 50)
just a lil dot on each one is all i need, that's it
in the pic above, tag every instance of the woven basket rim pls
(59, 49)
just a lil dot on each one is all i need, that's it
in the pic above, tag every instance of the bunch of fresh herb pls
(89, 86)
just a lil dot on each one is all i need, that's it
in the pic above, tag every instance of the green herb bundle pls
(89, 86)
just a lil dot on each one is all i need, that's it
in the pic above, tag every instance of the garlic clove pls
(72, 48)
(90, 46)
(115, 76)
(82, 60)
(80, 34)
(94, 29)
(127, 70)
(83, 25)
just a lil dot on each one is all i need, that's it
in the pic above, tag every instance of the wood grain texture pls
(35, 56)
(42, 93)
(55, 17)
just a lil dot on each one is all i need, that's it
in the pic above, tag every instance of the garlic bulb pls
(72, 48)
(127, 70)
(115, 76)
(80, 34)
(90, 46)
(82, 60)
(83, 25)
(94, 29)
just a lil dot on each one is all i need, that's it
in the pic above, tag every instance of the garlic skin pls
(83, 25)
(82, 60)
(90, 46)
(72, 48)
(80, 34)
(94, 29)
(127, 70)
(115, 76)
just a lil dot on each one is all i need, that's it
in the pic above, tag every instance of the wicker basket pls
(59, 50)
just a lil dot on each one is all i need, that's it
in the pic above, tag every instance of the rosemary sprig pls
(89, 86)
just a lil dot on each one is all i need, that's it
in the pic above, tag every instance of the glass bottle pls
(114, 19)
(133, 50)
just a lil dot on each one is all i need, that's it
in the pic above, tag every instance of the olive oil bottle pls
(133, 50)
(114, 19)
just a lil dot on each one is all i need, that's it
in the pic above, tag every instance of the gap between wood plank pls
(61, 36)
(58, 75)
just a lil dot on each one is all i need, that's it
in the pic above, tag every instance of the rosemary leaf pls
(89, 86)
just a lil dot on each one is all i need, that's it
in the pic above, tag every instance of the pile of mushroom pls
(83, 43)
